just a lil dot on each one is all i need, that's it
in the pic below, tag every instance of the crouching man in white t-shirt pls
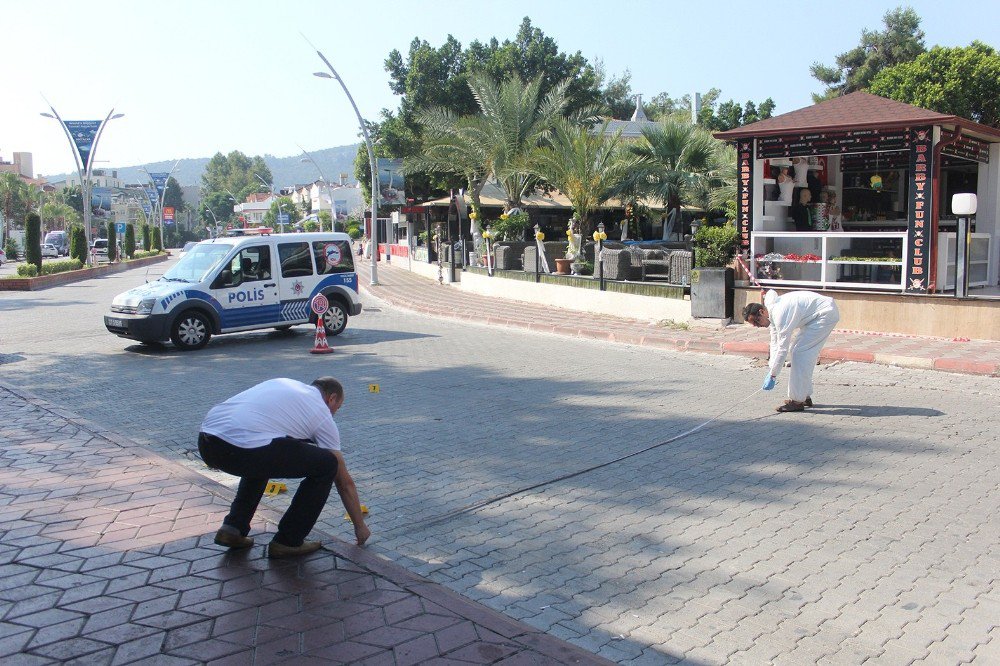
(281, 429)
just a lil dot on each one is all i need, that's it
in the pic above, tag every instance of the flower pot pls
(563, 266)
(712, 293)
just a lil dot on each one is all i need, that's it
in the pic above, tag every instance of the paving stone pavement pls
(420, 294)
(861, 531)
(106, 557)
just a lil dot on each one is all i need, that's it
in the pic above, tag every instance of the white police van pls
(242, 283)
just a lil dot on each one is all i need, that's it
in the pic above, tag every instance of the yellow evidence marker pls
(364, 510)
(274, 487)
(373, 388)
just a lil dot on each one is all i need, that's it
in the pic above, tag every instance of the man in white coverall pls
(814, 317)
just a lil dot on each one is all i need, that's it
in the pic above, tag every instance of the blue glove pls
(768, 382)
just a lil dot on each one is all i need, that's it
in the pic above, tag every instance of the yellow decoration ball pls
(539, 236)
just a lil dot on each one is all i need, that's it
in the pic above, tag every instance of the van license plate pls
(117, 323)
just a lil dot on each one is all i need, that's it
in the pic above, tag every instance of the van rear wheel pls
(335, 319)
(191, 330)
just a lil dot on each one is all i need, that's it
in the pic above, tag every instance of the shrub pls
(112, 242)
(10, 249)
(27, 270)
(510, 227)
(129, 248)
(157, 243)
(354, 232)
(146, 242)
(61, 266)
(33, 240)
(715, 247)
(142, 254)
(78, 244)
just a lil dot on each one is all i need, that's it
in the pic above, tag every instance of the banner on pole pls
(83, 133)
(160, 181)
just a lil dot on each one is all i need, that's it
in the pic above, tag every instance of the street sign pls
(119, 227)
(283, 218)
(320, 304)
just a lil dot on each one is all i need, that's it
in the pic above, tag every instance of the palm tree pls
(15, 199)
(451, 145)
(675, 162)
(513, 122)
(585, 164)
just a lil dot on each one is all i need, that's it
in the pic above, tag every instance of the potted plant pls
(712, 278)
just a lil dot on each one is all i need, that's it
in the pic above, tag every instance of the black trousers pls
(283, 458)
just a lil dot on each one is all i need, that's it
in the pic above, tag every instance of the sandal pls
(792, 406)
(808, 402)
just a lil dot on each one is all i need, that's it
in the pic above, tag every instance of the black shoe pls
(792, 406)
(808, 402)
(277, 550)
(230, 537)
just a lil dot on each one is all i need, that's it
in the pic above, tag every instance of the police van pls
(242, 283)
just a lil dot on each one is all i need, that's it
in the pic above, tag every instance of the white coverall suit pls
(815, 316)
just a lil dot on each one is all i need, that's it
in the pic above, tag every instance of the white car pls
(49, 250)
(3, 257)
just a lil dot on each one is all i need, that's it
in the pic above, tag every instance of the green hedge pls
(141, 254)
(50, 268)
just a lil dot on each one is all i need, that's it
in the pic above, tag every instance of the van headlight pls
(145, 306)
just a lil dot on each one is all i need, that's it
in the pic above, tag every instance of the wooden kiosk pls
(875, 217)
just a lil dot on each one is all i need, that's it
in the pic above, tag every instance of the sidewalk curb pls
(735, 347)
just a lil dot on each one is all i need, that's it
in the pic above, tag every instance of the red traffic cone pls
(320, 346)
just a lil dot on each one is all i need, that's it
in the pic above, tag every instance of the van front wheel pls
(191, 331)
(335, 319)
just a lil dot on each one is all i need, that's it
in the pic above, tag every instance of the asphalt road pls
(866, 528)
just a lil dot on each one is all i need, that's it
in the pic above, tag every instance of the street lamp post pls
(84, 170)
(162, 196)
(274, 199)
(371, 161)
(209, 211)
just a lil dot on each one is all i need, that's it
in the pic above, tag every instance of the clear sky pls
(197, 77)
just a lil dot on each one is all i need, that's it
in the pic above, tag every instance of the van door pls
(247, 290)
(297, 280)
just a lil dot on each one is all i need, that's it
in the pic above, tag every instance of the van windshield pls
(198, 262)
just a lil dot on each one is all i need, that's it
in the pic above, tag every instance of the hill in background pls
(285, 170)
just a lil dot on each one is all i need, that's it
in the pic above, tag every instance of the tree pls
(585, 165)
(157, 240)
(616, 96)
(732, 114)
(147, 239)
(964, 81)
(900, 42)
(72, 196)
(173, 196)
(675, 161)
(56, 215)
(33, 240)
(286, 206)
(438, 77)
(15, 196)
(234, 173)
(112, 242)
(513, 122)
(129, 248)
(325, 220)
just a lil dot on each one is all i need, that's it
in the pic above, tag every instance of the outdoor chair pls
(509, 255)
(553, 250)
(680, 267)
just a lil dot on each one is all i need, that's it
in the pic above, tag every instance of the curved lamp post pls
(371, 161)
(161, 198)
(209, 211)
(84, 170)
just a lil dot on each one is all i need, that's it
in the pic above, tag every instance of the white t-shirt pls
(275, 408)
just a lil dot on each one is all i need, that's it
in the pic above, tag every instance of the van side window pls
(333, 257)
(295, 259)
(250, 265)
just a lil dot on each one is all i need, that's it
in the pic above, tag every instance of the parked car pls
(49, 250)
(187, 246)
(100, 246)
(3, 257)
(59, 239)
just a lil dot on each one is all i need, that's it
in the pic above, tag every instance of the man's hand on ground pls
(361, 533)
